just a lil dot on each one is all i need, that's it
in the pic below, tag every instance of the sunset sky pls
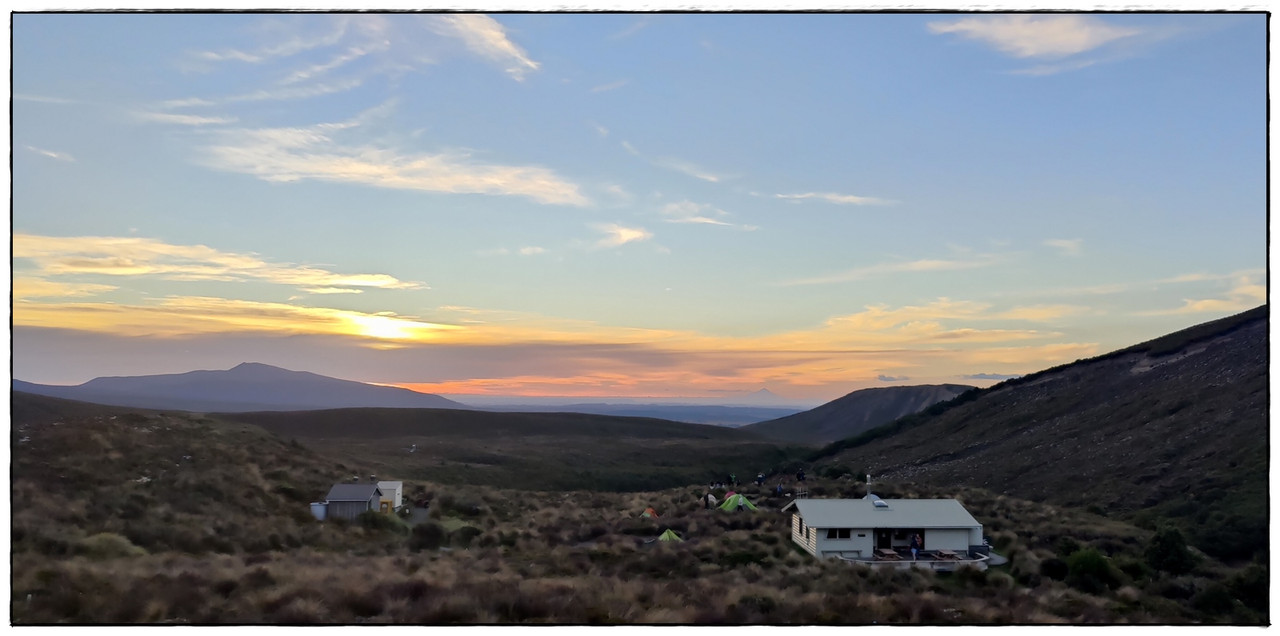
(629, 205)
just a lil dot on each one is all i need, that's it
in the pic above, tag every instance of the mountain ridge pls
(249, 386)
(856, 412)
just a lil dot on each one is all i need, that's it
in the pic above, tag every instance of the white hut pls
(866, 528)
(392, 495)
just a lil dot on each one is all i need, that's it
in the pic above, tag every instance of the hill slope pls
(1175, 428)
(555, 451)
(731, 416)
(247, 387)
(856, 412)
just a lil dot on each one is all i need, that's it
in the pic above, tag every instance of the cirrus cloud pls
(1042, 36)
(136, 256)
(616, 235)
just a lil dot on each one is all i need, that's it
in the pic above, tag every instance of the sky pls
(637, 205)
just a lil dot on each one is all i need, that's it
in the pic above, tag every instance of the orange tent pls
(650, 512)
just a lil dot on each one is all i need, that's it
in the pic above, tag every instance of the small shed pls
(856, 528)
(392, 495)
(347, 501)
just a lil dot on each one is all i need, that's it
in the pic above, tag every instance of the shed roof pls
(900, 513)
(387, 486)
(353, 492)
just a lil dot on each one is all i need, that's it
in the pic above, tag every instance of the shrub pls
(1066, 546)
(1089, 571)
(1133, 568)
(1213, 600)
(1168, 552)
(108, 545)
(1054, 568)
(378, 522)
(462, 537)
(426, 536)
(969, 575)
(1250, 586)
(1178, 589)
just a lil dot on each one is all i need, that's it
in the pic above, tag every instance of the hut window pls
(837, 533)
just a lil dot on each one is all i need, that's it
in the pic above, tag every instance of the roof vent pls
(880, 503)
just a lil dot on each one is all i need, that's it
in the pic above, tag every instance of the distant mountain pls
(856, 412)
(1170, 430)
(247, 387)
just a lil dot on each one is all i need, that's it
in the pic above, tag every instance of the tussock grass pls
(225, 544)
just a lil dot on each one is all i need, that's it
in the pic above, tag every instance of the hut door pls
(884, 539)
(384, 506)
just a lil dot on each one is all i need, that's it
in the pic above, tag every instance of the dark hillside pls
(1175, 428)
(856, 412)
(162, 481)
(557, 451)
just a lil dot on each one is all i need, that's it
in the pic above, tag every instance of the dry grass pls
(230, 541)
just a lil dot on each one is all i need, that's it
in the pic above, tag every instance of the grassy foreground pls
(501, 556)
(123, 516)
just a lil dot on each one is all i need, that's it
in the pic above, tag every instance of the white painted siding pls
(854, 546)
(803, 535)
(392, 492)
(947, 539)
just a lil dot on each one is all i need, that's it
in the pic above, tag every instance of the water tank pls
(319, 509)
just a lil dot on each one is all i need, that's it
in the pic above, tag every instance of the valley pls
(137, 515)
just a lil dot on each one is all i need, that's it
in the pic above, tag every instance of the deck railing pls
(929, 561)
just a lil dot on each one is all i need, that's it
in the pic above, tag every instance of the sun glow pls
(391, 328)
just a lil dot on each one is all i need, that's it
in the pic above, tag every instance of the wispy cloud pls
(884, 269)
(991, 376)
(310, 72)
(891, 378)
(531, 250)
(600, 130)
(610, 86)
(698, 213)
(289, 44)
(186, 120)
(1106, 289)
(487, 38)
(177, 316)
(832, 197)
(690, 168)
(616, 235)
(32, 287)
(679, 165)
(690, 212)
(134, 256)
(1246, 292)
(60, 156)
(631, 30)
(1067, 247)
(318, 153)
(332, 290)
(1030, 36)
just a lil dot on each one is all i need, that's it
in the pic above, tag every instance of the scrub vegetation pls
(220, 533)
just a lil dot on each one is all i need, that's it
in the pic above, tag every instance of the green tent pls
(669, 536)
(732, 502)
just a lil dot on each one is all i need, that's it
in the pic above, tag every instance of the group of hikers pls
(732, 482)
(710, 501)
